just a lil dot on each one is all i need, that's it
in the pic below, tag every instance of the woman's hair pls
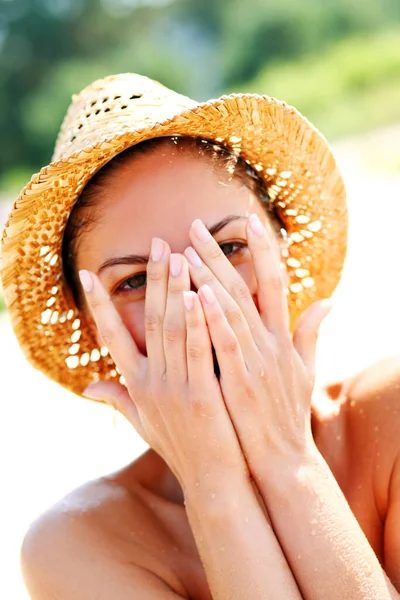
(83, 214)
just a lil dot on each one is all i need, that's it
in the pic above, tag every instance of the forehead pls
(160, 194)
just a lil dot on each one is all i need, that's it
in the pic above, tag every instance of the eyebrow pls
(142, 259)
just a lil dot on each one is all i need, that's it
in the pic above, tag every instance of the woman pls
(165, 244)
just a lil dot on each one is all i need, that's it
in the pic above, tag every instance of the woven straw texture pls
(107, 117)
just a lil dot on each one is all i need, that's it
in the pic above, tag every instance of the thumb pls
(116, 395)
(306, 334)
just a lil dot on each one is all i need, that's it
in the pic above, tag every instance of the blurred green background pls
(337, 61)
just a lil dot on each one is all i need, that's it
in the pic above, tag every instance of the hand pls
(172, 396)
(267, 376)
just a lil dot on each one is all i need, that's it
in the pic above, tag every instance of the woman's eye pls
(133, 283)
(232, 248)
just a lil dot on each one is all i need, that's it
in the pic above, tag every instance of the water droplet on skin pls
(222, 548)
(197, 484)
(314, 522)
(246, 519)
(213, 496)
(313, 532)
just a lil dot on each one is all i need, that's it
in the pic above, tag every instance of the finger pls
(174, 330)
(269, 274)
(112, 330)
(306, 335)
(226, 345)
(211, 254)
(155, 303)
(200, 363)
(202, 275)
(116, 395)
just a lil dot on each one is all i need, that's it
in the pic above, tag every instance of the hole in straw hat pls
(134, 96)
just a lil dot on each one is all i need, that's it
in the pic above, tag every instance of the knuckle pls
(193, 322)
(196, 401)
(267, 244)
(154, 275)
(152, 321)
(200, 402)
(195, 352)
(230, 346)
(97, 303)
(248, 391)
(174, 289)
(207, 278)
(214, 252)
(239, 291)
(234, 315)
(276, 282)
(107, 336)
(172, 331)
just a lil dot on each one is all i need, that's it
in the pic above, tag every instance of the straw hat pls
(119, 111)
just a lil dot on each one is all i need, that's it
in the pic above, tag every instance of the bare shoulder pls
(379, 382)
(92, 544)
(371, 402)
(373, 396)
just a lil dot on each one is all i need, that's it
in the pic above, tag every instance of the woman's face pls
(160, 194)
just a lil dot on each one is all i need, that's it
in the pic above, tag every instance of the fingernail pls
(256, 225)
(175, 264)
(157, 249)
(207, 294)
(188, 300)
(193, 257)
(200, 230)
(86, 280)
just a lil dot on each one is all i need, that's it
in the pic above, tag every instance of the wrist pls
(289, 469)
(217, 495)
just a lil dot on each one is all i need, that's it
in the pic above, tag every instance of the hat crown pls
(112, 105)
